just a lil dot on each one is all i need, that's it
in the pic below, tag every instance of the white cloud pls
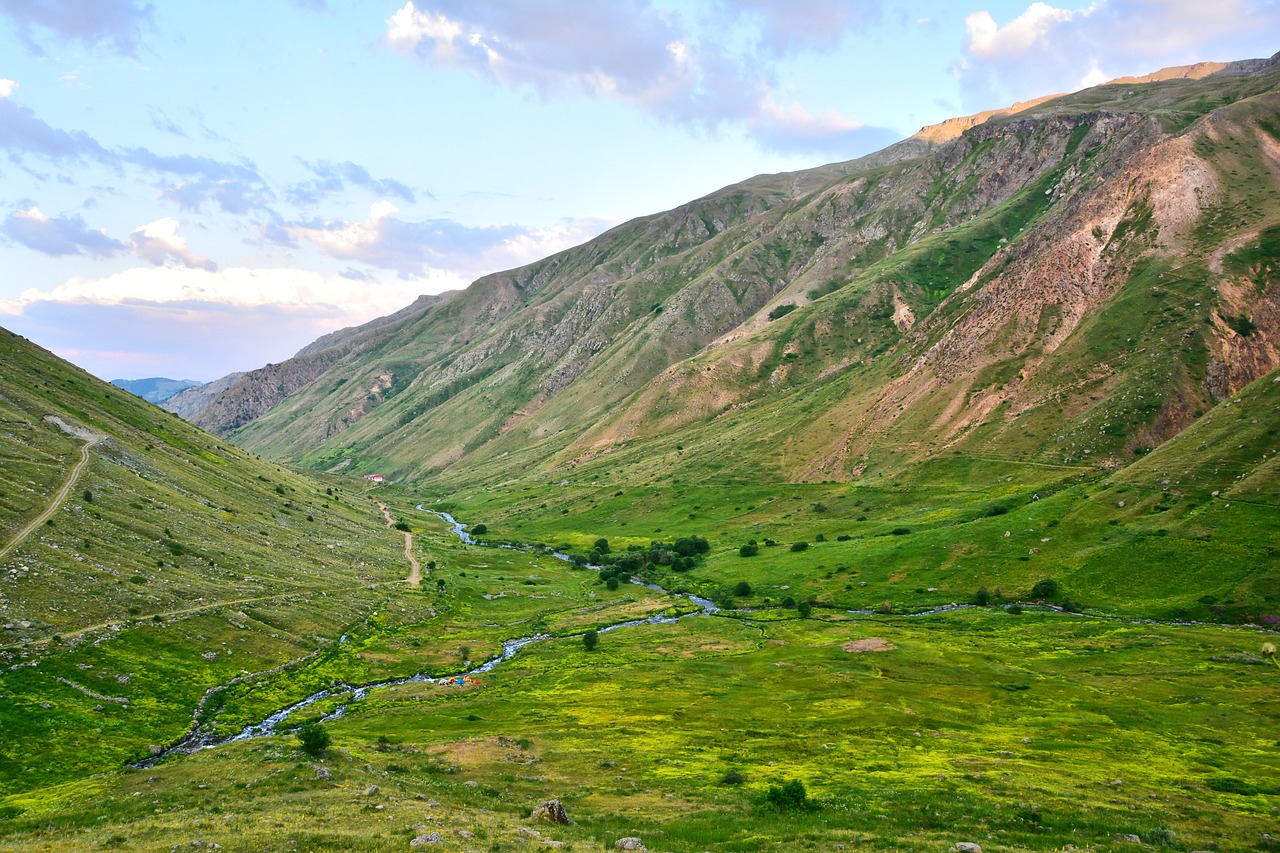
(1019, 36)
(199, 323)
(1047, 49)
(7, 87)
(637, 53)
(159, 243)
(233, 287)
(416, 248)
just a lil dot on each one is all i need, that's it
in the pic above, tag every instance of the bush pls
(789, 796)
(480, 530)
(1045, 589)
(314, 739)
(732, 777)
(799, 546)
(982, 597)
(611, 584)
(1015, 609)
(742, 589)
(602, 545)
(590, 640)
(820, 538)
(781, 311)
(900, 531)
(805, 609)
(88, 496)
(402, 526)
(1159, 836)
(749, 550)
(998, 509)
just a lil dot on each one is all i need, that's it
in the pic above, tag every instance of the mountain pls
(156, 389)
(146, 561)
(1071, 283)
(189, 402)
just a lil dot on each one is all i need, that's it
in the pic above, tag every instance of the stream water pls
(198, 740)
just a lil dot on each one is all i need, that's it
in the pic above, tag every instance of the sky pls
(191, 188)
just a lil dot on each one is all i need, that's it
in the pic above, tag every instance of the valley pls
(921, 500)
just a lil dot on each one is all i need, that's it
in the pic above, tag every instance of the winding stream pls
(197, 740)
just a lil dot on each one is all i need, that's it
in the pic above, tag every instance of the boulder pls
(967, 847)
(323, 774)
(551, 811)
(424, 840)
(371, 790)
(630, 843)
(1128, 838)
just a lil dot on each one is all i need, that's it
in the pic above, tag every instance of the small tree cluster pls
(681, 555)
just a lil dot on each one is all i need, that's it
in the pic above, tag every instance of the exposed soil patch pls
(870, 644)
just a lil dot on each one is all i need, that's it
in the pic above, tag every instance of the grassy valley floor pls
(1016, 731)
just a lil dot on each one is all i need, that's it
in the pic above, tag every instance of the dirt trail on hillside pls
(91, 439)
(415, 570)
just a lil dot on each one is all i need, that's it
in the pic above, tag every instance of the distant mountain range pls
(156, 389)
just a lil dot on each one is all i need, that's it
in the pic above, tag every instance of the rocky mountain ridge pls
(985, 292)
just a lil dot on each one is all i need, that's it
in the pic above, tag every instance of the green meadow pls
(1015, 730)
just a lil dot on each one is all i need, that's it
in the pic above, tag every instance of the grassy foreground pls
(1015, 731)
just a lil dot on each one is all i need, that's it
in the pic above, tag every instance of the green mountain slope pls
(170, 563)
(1070, 284)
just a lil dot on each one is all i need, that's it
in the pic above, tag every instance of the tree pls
(805, 609)
(314, 739)
(611, 584)
(590, 640)
(982, 598)
(1045, 589)
(602, 545)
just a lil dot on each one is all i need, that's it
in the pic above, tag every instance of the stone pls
(371, 790)
(424, 840)
(551, 811)
(1128, 838)
(323, 774)
(471, 783)
(630, 843)
(526, 832)
(967, 847)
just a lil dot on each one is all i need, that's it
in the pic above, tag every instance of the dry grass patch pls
(869, 644)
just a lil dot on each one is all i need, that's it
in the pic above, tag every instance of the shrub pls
(314, 739)
(749, 550)
(843, 537)
(982, 597)
(900, 531)
(788, 602)
(611, 584)
(820, 538)
(742, 589)
(732, 777)
(805, 609)
(789, 796)
(602, 545)
(480, 530)
(799, 546)
(402, 526)
(998, 509)
(590, 640)
(1047, 588)
(88, 496)
(1015, 609)
(1159, 836)
(782, 311)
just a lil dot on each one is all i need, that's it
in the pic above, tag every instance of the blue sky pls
(190, 188)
